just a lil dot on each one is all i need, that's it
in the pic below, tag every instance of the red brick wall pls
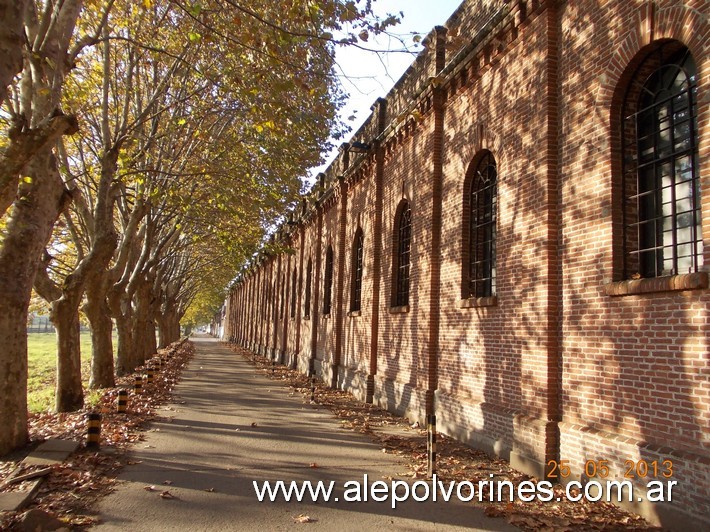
(557, 366)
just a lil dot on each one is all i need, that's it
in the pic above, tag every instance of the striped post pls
(150, 374)
(93, 430)
(313, 388)
(138, 384)
(122, 401)
(431, 445)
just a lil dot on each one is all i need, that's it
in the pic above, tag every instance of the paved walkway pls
(209, 454)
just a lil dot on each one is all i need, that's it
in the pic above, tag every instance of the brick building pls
(514, 242)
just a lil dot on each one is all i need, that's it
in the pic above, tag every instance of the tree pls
(40, 197)
(272, 91)
(11, 13)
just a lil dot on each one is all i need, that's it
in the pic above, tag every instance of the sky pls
(367, 76)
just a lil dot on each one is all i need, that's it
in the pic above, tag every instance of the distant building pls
(38, 323)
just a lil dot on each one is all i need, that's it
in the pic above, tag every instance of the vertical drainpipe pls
(553, 274)
(299, 287)
(256, 307)
(263, 333)
(437, 156)
(259, 305)
(276, 297)
(270, 305)
(246, 287)
(380, 109)
(251, 312)
(235, 313)
(240, 311)
(286, 309)
(339, 293)
(229, 333)
(264, 305)
(316, 281)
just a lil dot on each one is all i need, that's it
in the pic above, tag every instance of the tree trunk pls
(11, 13)
(121, 311)
(70, 393)
(29, 227)
(168, 323)
(98, 313)
(143, 324)
(151, 344)
(126, 362)
(164, 331)
(13, 366)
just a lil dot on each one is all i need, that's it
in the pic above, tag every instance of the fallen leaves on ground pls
(303, 518)
(71, 488)
(455, 461)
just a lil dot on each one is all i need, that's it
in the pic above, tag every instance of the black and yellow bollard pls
(93, 430)
(431, 445)
(138, 384)
(122, 401)
(150, 374)
(313, 388)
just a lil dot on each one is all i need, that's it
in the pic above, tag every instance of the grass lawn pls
(42, 374)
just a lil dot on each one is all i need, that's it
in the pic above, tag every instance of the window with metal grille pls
(660, 168)
(356, 272)
(480, 206)
(293, 293)
(264, 297)
(282, 305)
(402, 246)
(328, 281)
(307, 302)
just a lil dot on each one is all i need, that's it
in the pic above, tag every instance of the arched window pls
(479, 217)
(660, 170)
(307, 298)
(293, 293)
(328, 281)
(402, 241)
(282, 306)
(356, 271)
(264, 296)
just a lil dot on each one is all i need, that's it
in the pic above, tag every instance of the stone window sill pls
(354, 314)
(475, 302)
(672, 283)
(404, 309)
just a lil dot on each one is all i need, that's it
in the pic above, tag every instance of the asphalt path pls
(229, 426)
